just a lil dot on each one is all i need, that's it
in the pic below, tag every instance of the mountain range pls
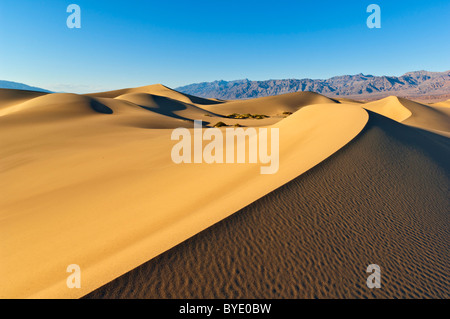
(20, 86)
(422, 86)
(417, 84)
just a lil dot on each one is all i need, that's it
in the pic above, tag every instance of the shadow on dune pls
(435, 145)
(202, 101)
(100, 107)
(167, 106)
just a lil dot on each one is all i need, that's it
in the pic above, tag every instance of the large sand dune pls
(381, 199)
(79, 187)
(88, 180)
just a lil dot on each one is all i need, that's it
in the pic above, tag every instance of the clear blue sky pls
(136, 42)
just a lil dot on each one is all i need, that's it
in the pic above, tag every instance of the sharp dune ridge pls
(88, 180)
(157, 89)
(412, 113)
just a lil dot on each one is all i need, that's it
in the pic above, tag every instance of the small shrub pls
(237, 116)
(247, 116)
(219, 124)
(259, 116)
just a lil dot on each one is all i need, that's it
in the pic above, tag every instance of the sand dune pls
(158, 89)
(381, 199)
(442, 104)
(88, 180)
(81, 187)
(271, 105)
(412, 113)
(148, 111)
(12, 97)
(57, 105)
(165, 105)
(390, 107)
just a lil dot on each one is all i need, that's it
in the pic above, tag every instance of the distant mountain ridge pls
(411, 84)
(20, 86)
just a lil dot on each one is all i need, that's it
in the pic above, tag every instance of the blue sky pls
(134, 43)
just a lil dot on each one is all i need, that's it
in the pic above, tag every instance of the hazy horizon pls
(218, 80)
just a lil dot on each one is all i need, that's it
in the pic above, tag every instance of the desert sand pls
(88, 180)
(315, 236)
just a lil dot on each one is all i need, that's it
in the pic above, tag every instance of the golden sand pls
(88, 180)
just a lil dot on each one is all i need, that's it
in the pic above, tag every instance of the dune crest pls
(390, 107)
(157, 89)
(57, 104)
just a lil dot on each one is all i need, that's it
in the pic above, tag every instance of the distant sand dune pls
(57, 105)
(443, 104)
(165, 105)
(382, 199)
(158, 89)
(412, 113)
(271, 105)
(390, 107)
(10, 97)
(88, 180)
(149, 111)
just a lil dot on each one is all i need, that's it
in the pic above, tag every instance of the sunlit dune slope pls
(443, 104)
(412, 113)
(11, 97)
(149, 111)
(157, 89)
(57, 105)
(164, 105)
